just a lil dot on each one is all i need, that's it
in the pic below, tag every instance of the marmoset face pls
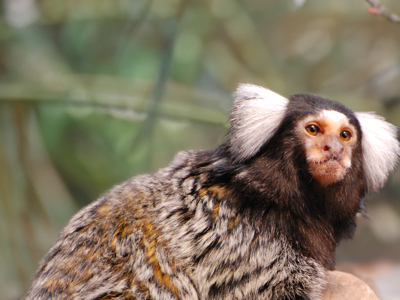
(329, 139)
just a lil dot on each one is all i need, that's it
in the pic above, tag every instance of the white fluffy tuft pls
(380, 146)
(256, 115)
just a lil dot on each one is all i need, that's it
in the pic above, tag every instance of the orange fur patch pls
(150, 243)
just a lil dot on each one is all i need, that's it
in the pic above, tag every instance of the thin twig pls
(116, 100)
(131, 31)
(377, 8)
(157, 96)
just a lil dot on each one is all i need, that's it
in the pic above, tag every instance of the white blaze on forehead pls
(334, 118)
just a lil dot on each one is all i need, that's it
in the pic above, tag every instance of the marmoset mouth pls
(332, 164)
(328, 171)
(332, 159)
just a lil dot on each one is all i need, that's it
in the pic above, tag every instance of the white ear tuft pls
(380, 146)
(256, 115)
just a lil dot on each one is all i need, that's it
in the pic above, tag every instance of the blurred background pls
(93, 92)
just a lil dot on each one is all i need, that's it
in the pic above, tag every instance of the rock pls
(345, 286)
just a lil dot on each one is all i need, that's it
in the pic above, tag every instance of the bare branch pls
(377, 8)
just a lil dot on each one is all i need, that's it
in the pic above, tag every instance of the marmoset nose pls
(333, 146)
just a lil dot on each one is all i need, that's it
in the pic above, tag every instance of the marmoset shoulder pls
(259, 217)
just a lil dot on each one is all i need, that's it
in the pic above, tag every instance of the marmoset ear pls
(380, 147)
(255, 117)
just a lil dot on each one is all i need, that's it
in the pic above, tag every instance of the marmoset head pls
(332, 136)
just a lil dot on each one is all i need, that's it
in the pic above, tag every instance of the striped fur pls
(168, 236)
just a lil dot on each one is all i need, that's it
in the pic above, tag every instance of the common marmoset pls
(259, 217)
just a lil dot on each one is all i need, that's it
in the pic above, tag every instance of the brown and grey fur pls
(229, 223)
